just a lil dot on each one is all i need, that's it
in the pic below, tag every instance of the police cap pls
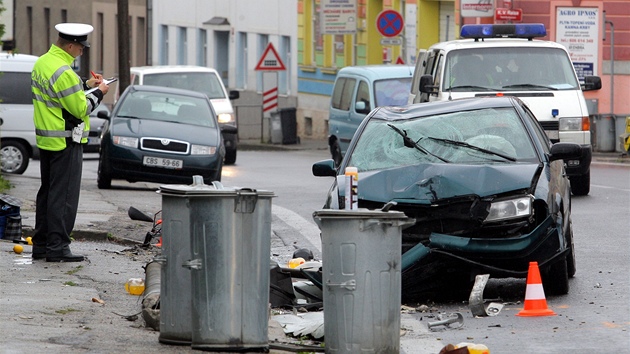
(75, 32)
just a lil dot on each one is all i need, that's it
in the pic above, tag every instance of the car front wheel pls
(15, 157)
(556, 281)
(229, 141)
(103, 177)
(581, 185)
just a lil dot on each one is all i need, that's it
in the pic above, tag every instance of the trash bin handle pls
(369, 223)
(192, 264)
(349, 285)
(160, 259)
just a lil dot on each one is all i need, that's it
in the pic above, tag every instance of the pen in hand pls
(93, 74)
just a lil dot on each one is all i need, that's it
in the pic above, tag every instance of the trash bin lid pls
(361, 213)
(198, 188)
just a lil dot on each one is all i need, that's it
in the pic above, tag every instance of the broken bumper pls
(507, 257)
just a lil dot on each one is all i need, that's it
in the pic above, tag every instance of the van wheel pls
(15, 157)
(581, 185)
(335, 151)
(230, 156)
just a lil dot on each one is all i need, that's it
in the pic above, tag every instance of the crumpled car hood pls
(427, 183)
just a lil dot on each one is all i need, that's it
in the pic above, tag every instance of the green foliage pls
(5, 185)
(2, 9)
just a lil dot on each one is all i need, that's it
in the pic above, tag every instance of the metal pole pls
(612, 62)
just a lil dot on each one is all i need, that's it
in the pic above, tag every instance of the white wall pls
(274, 18)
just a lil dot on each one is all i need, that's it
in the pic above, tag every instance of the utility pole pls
(123, 45)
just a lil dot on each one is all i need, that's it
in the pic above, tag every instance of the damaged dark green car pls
(486, 187)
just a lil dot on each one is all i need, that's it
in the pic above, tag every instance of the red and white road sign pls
(270, 60)
(400, 60)
(502, 14)
(270, 99)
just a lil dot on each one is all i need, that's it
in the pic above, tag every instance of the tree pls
(2, 9)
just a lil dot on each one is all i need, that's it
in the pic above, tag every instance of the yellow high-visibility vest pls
(59, 100)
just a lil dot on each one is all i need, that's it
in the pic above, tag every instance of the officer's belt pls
(59, 133)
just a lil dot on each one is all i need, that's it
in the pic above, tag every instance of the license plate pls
(162, 162)
(94, 141)
(552, 134)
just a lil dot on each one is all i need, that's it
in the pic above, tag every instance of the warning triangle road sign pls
(270, 60)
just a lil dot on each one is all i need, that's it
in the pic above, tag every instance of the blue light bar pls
(519, 30)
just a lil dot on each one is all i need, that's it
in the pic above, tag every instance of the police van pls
(18, 143)
(495, 60)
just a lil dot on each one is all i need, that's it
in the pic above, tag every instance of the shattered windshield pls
(516, 69)
(470, 137)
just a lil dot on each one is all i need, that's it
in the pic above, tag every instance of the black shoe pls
(38, 255)
(66, 258)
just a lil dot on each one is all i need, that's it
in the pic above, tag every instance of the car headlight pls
(226, 118)
(570, 124)
(126, 141)
(203, 150)
(510, 209)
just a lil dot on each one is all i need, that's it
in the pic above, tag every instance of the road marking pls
(308, 230)
(609, 187)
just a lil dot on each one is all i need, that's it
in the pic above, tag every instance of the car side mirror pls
(234, 95)
(592, 83)
(426, 84)
(361, 107)
(324, 168)
(565, 151)
(102, 114)
(228, 129)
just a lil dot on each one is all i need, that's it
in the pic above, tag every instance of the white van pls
(17, 132)
(506, 60)
(200, 79)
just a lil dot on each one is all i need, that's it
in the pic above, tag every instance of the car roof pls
(441, 107)
(170, 68)
(495, 43)
(164, 89)
(17, 62)
(378, 71)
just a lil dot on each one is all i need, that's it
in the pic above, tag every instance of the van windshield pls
(203, 82)
(516, 69)
(392, 92)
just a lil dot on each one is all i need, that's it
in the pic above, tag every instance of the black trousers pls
(57, 200)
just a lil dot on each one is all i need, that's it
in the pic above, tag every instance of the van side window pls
(15, 88)
(342, 93)
(363, 95)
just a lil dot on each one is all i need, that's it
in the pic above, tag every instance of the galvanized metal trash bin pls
(361, 259)
(175, 282)
(230, 250)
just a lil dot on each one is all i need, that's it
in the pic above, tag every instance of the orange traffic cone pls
(535, 303)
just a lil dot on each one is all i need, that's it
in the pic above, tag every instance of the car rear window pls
(204, 82)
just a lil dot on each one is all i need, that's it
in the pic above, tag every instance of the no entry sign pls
(389, 23)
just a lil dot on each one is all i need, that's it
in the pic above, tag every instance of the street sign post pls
(389, 23)
(270, 60)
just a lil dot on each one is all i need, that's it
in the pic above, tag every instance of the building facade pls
(34, 31)
(321, 55)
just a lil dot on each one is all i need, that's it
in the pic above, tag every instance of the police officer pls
(61, 126)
